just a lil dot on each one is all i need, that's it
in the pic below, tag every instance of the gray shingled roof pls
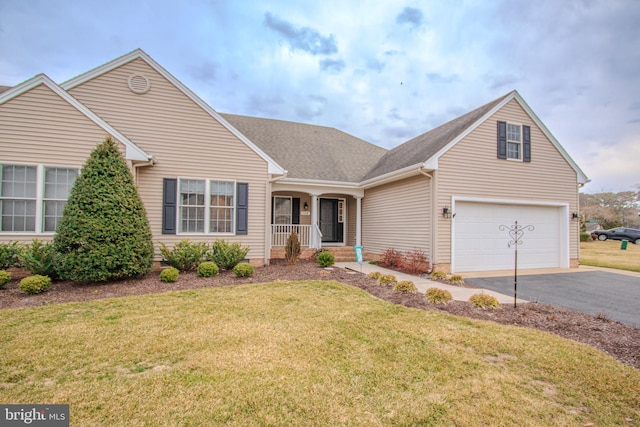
(4, 88)
(310, 151)
(423, 147)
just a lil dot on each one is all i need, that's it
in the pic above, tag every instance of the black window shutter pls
(295, 211)
(273, 210)
(502, 140)
(526, 143)
(242, 208)
(169, 205)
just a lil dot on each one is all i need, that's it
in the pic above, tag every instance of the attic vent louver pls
(139, 84)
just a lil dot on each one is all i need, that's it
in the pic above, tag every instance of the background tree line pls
(612, 209)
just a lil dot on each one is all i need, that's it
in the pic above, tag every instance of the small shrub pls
(243, 269)
(9, 255)
(456, 279)
(438, 296)
(387, 279)
(34, 284)
(226, 255)
(585, 237)
(5, 277)
(405, 287)
(391, 258)
(169, 275)
(292, 250)
(484, 301)
(325, 259)
(374, 275)
(208, 269)
(414, 262)
(185, 255)
(438, 275)
(39, 258)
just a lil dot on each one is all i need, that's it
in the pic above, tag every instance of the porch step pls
(343, 253)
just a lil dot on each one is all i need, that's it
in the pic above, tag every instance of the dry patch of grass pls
(608, 254)
(301, 353)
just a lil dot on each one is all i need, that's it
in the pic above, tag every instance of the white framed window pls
(341, 211)
(32, 197)
(57, 186)
(514, 141)
(282, 210)
(206, 206)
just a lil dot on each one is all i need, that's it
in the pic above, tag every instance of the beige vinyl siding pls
(471, 169)
(351, 219)
(186, 142)
(39, 127)
(397, 215)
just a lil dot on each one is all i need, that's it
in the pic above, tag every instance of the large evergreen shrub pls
(104, 233)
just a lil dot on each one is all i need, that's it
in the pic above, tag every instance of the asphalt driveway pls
(593, 292)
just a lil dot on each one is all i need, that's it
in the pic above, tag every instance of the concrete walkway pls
(458, 293)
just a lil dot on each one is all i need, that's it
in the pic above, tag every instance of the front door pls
(331, 220)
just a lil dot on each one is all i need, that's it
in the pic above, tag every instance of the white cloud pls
(384, 73)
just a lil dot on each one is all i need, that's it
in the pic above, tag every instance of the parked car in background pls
(620, 233)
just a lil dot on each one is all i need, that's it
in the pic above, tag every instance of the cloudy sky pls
(384, 70)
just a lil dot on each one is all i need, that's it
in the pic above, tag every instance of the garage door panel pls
(481, 245)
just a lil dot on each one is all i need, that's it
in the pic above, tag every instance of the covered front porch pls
(322, 219)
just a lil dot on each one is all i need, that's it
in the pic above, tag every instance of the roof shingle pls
(423, 147)
(310, 151)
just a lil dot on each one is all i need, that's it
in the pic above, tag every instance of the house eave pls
(396, 175)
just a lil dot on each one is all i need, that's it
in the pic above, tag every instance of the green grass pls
(301, 354)
(608, 254)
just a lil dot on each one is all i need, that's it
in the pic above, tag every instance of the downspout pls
(432, 221)
(267, 234)
(150, 162)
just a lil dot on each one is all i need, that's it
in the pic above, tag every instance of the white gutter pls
(393, 176)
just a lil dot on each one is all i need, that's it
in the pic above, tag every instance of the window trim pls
(40, 196)
(207, 207)
(511, 141)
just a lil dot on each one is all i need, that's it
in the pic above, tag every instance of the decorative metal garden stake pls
(516, 232)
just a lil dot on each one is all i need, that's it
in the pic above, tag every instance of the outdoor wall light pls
(575, 216)
(445, 212)
(306, 206)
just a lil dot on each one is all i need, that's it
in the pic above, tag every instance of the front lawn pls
(608, 254)
(301, 353)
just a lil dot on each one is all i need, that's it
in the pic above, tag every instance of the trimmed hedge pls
(208, 269)
(5, 277)
(169, 275)
(244, 269)
(34, 284)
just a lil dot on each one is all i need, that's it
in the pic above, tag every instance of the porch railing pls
(307, 234)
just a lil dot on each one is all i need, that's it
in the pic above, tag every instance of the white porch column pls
(314, 221)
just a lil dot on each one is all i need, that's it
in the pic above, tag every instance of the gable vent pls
(139, 84)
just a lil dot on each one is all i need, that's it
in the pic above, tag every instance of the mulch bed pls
(614, 338)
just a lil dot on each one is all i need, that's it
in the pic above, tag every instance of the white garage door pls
(480, 245)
